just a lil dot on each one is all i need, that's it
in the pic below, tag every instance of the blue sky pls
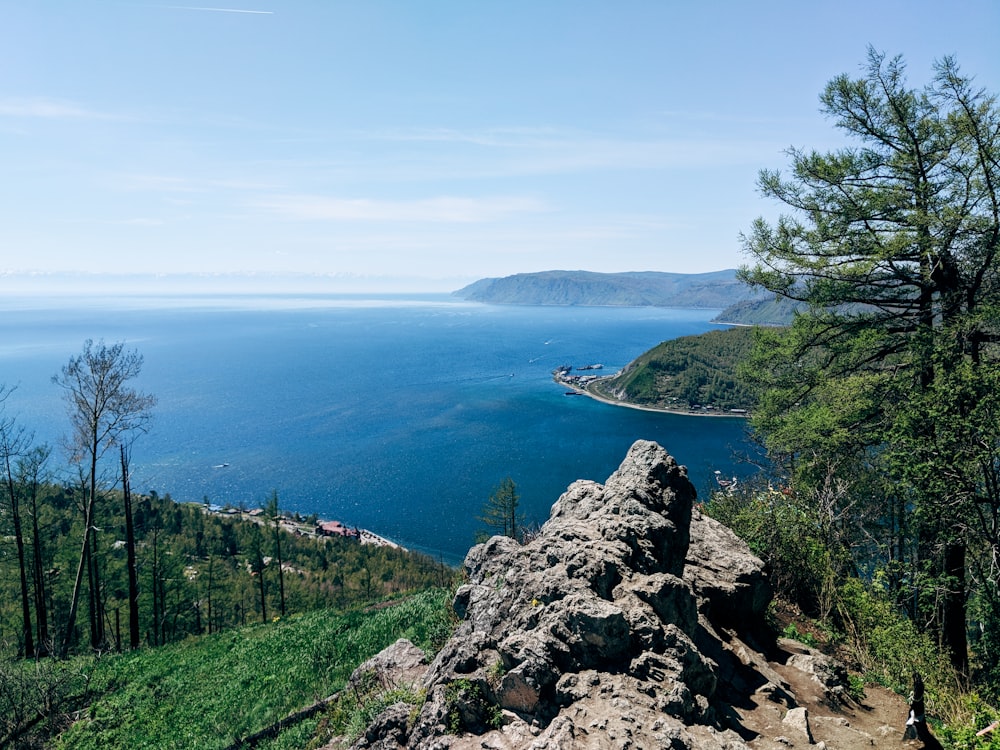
(423, 143)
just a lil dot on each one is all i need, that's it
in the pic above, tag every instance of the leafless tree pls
(31, 469)
(103, 409)
(133, 577)
(14, 442)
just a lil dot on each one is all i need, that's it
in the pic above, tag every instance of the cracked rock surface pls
(630, 621)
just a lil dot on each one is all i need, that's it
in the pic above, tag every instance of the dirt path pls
(877, 722)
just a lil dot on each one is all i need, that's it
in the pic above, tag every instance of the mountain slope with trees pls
(143, 569)
(717, 289)
(686, 373)
(199, 571)
(761, 311)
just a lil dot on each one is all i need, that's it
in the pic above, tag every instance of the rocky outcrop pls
(628, 622)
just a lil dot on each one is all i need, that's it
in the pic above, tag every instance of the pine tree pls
(500, 512)
(891, 247)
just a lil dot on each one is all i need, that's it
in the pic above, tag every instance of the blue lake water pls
(397, 414)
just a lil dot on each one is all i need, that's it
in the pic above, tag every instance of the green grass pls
(207, 692)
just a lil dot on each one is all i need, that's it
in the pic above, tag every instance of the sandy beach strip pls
(588, 390)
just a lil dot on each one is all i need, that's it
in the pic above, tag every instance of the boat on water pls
(727, 484)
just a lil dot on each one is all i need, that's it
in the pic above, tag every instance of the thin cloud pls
(221, 10)
(171, 184)
(552, 151)
(446, 209)
(54, 109)
(728, 118)
(497, 137)
(140, 222)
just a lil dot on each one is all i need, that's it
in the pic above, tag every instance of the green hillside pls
(692, 372)
(200, 570)
(767, 311)
(214, 691)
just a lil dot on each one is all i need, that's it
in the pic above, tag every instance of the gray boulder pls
(586, 636)
(400, 666)
(727, 578)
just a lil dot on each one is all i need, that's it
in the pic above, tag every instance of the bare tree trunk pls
(38, 574)
(263, 595)
(74, 601)
(29, 643)
(12, 444)
(156, 589)
(133, 579)
(88, 519)
(953, 609)
(92, 596)
(281, 572)
(211, 560)
(101, 614)
(30, 471)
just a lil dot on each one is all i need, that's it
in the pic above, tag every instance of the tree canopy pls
(891, 245)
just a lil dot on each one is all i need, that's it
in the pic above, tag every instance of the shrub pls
(469, 709)
(782, 532)
(35, 698)
(888, 648)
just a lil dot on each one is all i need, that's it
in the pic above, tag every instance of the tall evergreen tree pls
(892, 245)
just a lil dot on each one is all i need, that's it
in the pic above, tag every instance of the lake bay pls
(395, 414)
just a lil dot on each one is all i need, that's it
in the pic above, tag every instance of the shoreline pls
(364, 536)
(587, 390)
(370, 537)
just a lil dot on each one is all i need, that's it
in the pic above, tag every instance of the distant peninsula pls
(716, 289)
(739, 304)
(687, 375)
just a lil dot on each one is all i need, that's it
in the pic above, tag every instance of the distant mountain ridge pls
(760, 311)
(716, 289)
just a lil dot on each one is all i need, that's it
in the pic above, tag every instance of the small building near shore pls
(336, 528)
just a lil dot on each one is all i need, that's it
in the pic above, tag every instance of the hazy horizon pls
(43, 285)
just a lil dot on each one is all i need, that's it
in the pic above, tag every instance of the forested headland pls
(691, 373)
